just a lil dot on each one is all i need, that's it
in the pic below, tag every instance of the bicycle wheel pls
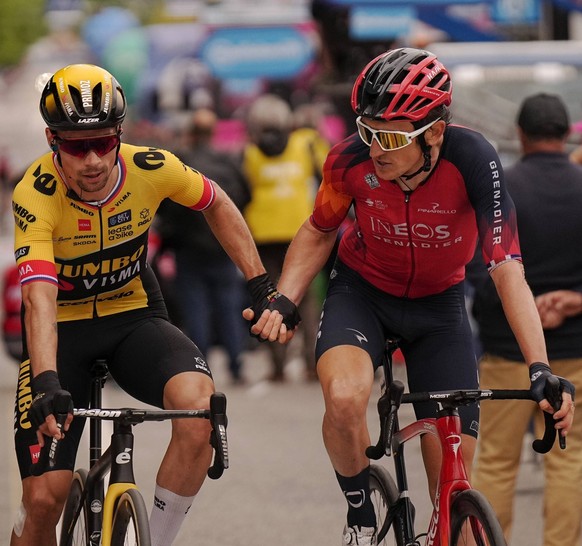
(130, 521)
(74, 522)
(473, 521)
(384, 495)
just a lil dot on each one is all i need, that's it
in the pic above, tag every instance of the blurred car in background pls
(490, 79)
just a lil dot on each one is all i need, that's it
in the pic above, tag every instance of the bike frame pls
(446, 427)
(452, 478)
(117, 461)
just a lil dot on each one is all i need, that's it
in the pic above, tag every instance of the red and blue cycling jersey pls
(415, 244)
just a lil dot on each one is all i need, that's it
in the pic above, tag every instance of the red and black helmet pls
(401, 84)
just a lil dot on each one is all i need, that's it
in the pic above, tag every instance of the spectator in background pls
(283, 168)
(547, 190)
(209, 291)
(11, 303)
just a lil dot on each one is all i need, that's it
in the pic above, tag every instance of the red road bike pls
(461, 515)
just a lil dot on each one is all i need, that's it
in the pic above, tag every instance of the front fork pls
(452, 477)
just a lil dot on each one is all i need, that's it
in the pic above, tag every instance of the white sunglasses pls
(389, 140)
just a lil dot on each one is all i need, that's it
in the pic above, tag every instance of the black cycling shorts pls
(143, 351)
(436, 339)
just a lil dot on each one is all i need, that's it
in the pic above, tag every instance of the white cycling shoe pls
(359, 536)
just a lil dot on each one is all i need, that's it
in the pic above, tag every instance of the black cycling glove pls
(538, 376)
(264, 295)
(49, 398)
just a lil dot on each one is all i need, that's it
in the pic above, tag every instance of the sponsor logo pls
(22, 217)
(82, 209)
(436, 210)
(34, 453)
(105, 273)
(23, 399)
(149, 161)
(200, 364)
(64, 285)
(359, 336)
(98, 413)
(121, 199)
(120, 232)
(21, 252)
(454, 442)
(44, 183)
(159, 503)
(145, 217)
(355, 498)
(420, 235)
(88, 120)
(434, 522)
(125, 457)
(96, 508)
(99, 300)
(119, 218)
(106, 103)
(375, 203)
(497, 212)
(84, 225)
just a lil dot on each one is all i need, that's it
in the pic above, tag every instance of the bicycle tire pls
(384, 495)
(74, 530)
(130, 521)
(472, 507)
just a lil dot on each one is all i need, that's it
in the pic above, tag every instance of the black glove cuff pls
(45, 382)
(538, 369)
(261, 287)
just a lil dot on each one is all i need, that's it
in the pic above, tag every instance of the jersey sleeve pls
(187, 186)
(494, 208)
(332, 202)
(35, 215)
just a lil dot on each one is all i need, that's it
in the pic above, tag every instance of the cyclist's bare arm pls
(305, 258)
(231, 230)
(523, 317)
(40, 318)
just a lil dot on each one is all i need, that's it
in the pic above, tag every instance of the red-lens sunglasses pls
(81, 147)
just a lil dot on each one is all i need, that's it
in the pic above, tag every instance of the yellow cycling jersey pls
(96, 253)
(283, 188)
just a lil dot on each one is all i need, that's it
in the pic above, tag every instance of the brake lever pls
(554, 397)
(218, 438)
(553, 394)
(388, 405)
(48, 454)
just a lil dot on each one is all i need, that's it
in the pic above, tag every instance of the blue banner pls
(261, 52)
(377, 22)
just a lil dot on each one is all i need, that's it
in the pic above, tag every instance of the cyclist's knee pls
(188, 390)
(346, 401)
(43, 504)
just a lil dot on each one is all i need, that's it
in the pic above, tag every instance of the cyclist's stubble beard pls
(94, 182)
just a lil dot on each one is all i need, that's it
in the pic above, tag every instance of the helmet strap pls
(427, 163)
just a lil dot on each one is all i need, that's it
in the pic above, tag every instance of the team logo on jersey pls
(372, 181)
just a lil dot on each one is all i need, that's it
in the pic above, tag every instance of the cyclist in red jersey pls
(83, 213)
(422, 190)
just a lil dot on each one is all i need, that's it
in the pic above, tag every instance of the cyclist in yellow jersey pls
(82, 216)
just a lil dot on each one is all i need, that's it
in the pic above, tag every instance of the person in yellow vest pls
(283, 169)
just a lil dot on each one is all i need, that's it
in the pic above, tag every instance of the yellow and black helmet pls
(82, 97)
